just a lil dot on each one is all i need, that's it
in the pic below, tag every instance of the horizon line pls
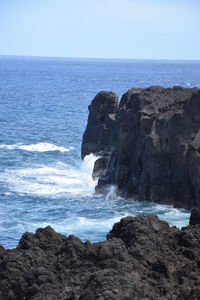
(99, 58)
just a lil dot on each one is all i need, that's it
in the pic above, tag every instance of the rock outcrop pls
(150, 144)
(142, 258)
(100, 132)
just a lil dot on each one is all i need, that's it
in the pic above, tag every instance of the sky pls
(133, 29)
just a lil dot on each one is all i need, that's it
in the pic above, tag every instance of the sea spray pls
(62, 194)
(111, 193)
(52, 180)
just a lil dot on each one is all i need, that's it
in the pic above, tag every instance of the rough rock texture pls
(101, 122)
(154, 144)
(143, 258)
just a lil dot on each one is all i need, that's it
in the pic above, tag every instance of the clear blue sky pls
(141, 29)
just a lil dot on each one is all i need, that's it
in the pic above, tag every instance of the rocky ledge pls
(142, 258)
(149, 144)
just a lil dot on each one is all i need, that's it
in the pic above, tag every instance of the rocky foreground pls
(149, 143)
(142, 258)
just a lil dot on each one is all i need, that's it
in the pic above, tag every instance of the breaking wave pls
(39, 147)
(52, 180)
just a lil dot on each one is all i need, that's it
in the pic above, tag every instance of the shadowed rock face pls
(143, 258)
(152, 145)
(101, 122)
(195, 216)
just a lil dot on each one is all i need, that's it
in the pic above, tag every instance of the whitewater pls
(69, 203)
(43, 114)
(40, 147)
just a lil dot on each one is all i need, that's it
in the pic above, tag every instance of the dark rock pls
(143, 258)
(154, 144)
(195, 216)
(99, 134)
(101, 165)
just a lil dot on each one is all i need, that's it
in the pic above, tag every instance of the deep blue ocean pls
(43, 114)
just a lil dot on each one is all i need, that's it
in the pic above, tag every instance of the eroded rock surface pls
(100, 132)
(143, 258)
(153, 144)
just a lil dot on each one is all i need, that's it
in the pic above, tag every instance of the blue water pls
(43, 114)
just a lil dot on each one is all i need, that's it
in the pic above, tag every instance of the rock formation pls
(149, 144)
(142, 258)
(99, 134)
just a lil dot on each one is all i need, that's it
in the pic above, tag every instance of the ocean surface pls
(43, 114)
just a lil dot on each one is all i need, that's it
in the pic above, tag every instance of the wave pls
(52, 180)
(85, 228)
(38, 147)
(95, 229)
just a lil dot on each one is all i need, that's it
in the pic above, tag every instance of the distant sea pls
(43, 114)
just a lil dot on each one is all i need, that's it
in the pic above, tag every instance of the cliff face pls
(152, 145)
(143, 258)
(99, 134)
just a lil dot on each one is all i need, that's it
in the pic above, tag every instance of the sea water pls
(43, 114)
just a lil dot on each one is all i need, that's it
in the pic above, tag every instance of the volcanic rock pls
(99, 134)
(142, 258)
(153, 143)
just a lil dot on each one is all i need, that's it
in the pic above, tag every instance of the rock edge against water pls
(149, 144)
(142, 258)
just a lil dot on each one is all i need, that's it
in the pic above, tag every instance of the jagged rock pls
(99, 134)
(143, 258)
(155, 152)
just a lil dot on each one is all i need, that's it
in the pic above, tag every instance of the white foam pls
(83, 225)
(7, 193)
(38, 147)
(85, 228)
(84, 221)
(52, 180)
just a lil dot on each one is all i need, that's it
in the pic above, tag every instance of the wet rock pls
(142, 258)
(101, 165)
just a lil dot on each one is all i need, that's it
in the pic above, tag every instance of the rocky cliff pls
(142, 258)
(149, 144)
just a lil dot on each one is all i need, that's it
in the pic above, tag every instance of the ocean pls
(43, 114)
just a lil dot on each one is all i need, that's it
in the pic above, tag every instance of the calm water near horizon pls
(43, 114)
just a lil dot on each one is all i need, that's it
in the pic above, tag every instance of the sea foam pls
(52, 180)
(38, 147)
(80, 226)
